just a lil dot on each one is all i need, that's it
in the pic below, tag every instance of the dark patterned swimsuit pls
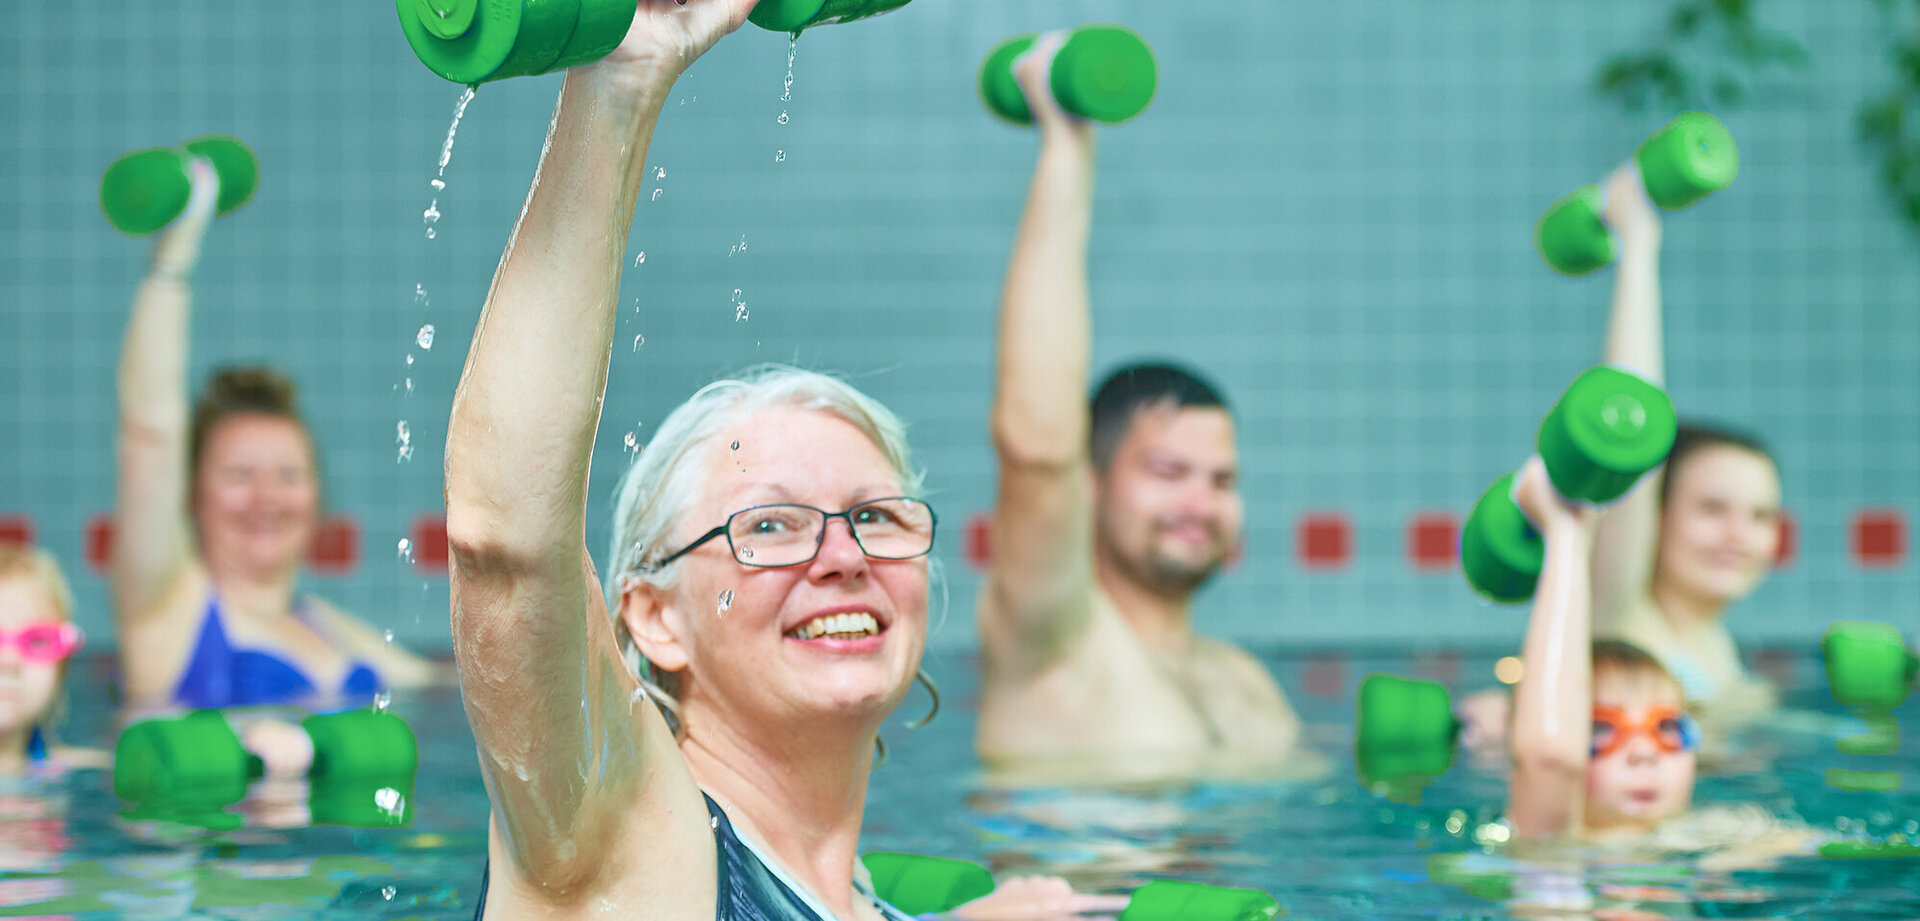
(749, 889)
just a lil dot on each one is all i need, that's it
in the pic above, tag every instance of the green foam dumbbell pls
(1688, 159)
(1174, 900)
(362, 771)
(479, 41)
(144, 190)
(1604, 433)
(1868, 664)
(921, 885)
(796, 15)
(1403, 727)
(1105, 73)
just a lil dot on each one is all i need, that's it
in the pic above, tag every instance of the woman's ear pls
(650, 617)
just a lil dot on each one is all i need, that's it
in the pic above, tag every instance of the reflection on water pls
(1316, 839)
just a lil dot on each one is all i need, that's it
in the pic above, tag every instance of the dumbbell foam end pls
(1105, 73)
(1868, 664)
(144, 190)
(999, 91)
(1688, 159)
(1500, 553)
(233, 161)
(1175, 900)
(1570, 236)
(922, 885)
(795, 15)
(1605, 432)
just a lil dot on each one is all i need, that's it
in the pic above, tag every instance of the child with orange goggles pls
(1581, 707)
(37, 637)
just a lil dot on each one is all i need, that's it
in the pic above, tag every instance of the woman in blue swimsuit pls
(216, 508)
(767, 585)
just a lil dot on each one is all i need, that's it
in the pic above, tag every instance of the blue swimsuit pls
(220, 675)
(749, 889)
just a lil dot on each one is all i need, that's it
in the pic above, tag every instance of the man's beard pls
(1170, 576)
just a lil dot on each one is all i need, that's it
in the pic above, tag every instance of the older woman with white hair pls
(769, 577)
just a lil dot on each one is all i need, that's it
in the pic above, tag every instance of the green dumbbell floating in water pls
(362, 770)
(144, 190)
(1606, 431)
(1403, 727)
(921, 885)
(1868, 664)
(1685, 161)
(1105, 73)
(795, 15)
(479, 41)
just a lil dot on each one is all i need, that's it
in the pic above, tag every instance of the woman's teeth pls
(838, 626)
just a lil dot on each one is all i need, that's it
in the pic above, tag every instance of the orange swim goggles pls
(1670, 729)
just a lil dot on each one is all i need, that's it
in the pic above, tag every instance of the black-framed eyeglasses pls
(894, 528)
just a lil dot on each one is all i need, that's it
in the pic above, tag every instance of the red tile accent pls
(1325, 676)
(1324, 540)
(429, 543)
(336, 547)
(977, 547)
(1433, 541)
(1879, 538)
(1789, 542)
(99, 542)
(16, 530)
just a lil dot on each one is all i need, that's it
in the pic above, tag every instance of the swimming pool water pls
(1326, 847)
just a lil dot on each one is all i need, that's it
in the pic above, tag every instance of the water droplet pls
(633, 442)
(431, 233)
(406, 550)
(659, 172)
(782, 119)
(405, 440)
(656, 195)
(390, 800)
(409, 386)
(779, 156)
(420, 295)
(746, 553)
(439, 185)
(736, 446)
(425, 338)
(432, 213)
(387, 637)
(740, 312)
(409, 358)
(382, 701)
(726, 601)
(640, 259)
(713, 822)
(638, 341)
(388, 892)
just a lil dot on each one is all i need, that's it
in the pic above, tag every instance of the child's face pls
(27, 686)
(1637, 778)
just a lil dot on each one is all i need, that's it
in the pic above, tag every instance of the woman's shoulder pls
(361, 640)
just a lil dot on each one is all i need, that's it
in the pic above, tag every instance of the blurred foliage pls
(1707, 51)
(1891, 122)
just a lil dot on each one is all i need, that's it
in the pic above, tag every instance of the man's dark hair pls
(1132, 388)
(1694, 436)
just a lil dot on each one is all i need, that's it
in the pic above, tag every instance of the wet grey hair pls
(670, 474)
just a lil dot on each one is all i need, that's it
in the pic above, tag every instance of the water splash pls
(406, 550)
(633, 443)
(405, 440)
(659, 172)
(387, 636)
(739, 247)
(779, 156)
(656, 195)
(782, 119)
(726, 602)
(425, 338)
(640, 259)
(431, 216)
(382, 701)
(639, 341)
